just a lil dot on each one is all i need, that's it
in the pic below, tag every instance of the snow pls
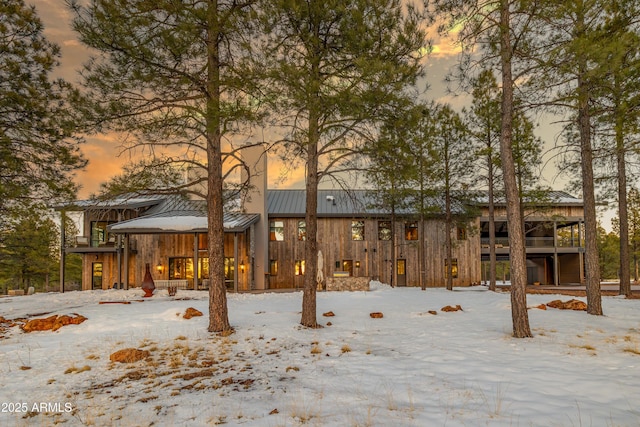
(409, 368)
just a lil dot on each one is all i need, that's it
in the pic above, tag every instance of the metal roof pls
(338, 203)
(179, 215)
(122, 202)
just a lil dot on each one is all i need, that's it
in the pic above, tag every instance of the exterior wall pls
(156, 249)
(375, 257)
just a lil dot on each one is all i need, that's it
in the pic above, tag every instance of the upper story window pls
(276, 231)
(302, 230)
(411, 230)
(384, 230)
(357, 230)
(462, 233)
(99, 234)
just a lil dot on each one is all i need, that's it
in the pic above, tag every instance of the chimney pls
(255, 202)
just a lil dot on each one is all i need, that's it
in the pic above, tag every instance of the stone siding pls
(347, 284)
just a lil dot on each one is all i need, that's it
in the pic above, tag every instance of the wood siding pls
(375, 257)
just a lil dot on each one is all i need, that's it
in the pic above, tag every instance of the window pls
(99, 235)
(411, 230)
(203, 242)
(96, 275)
(229, 272)
(347, 265)
(273, 267)
(302, 230)
(276, 231)
(357, 230)
(384, 230)
(299, 267)
(462, 233)
(180, 268)
(454, 268)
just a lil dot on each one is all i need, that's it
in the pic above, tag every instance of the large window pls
(302, 230)
(182, 268)
(99, 235)
(384, 230)
(357, 230)
(411, 230)
(276, 231)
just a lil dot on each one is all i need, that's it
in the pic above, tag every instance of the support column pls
(119, 253)
(127, 242)
(235, 262)
(196, 262)
(556, 266)
(63, 218)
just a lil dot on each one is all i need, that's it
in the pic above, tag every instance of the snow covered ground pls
(409, 368)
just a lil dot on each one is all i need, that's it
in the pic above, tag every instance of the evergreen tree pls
(169, 75)
(29, 249)
(483, 120)
(38, 152)
(332, 66)
(499, 33)
(451, 162)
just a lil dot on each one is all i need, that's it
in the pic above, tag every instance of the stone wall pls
(346, 284)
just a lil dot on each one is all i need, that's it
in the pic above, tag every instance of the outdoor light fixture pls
(242, 267)
(357, 264)
(159, 268)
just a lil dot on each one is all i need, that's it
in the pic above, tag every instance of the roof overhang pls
(181, 222)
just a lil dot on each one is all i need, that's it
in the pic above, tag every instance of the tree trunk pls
(625, 273)
(311, 244)
(218, 315)
(519, 314)
(447, 238)
(492, 228)
(592, 267)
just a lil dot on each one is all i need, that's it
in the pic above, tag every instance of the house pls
(264, 242)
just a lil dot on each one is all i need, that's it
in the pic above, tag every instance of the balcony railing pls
(534, 242)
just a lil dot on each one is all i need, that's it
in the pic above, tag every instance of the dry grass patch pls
(632, 350)
(345, 348)
(76, 370)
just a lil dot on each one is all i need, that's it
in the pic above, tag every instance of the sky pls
(106, 157)
(408, 368)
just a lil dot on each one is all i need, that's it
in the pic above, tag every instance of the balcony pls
(534, 242)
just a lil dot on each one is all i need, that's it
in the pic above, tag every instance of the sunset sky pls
(104, 151)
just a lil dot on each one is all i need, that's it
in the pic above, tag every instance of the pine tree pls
(169, 75)
(38, 150)
(332, 66)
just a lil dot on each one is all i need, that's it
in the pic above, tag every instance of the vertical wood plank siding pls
(375, 256)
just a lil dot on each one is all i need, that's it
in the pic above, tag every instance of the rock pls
(575, 304)
(192, 312)
(52, 323)
(376, 315)
(129, 355)
(572, 304)
(449, 308)
(328, 314)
